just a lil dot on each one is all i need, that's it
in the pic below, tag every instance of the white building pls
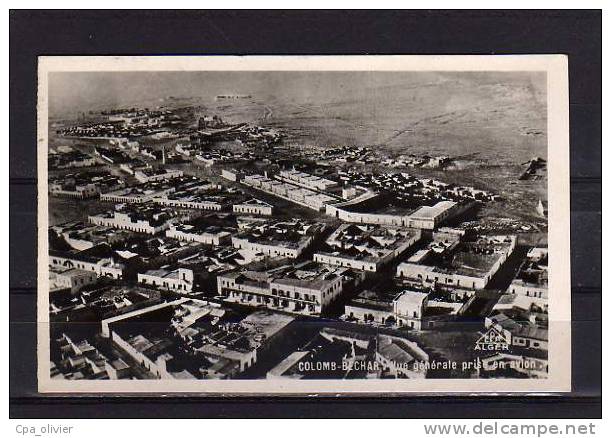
(191, 233)
(299, 291)
(123, 221)
(253, 206)
(83, 185)
(519, 334)
(509, 302)
(302, 196)
(276, 238)
(149, 174)
(145, 219)
(532, 278)
(179, 280)
(190, 201)
(185, 149)
(231, 175)
(409, 308)
(366, 247)
(307, 180)
(275, 249)
(74, 279)
(528, 289)
(136, 194)
(426, 218)
(78, 191)
(429, 218)
(349, 193)
(103, 267)
(493, 251)
(367, 264)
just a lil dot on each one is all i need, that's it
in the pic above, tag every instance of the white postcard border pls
(559, 379)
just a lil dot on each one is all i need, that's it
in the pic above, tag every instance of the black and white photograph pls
(362, 224)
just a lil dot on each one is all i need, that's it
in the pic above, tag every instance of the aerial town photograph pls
(297, 225)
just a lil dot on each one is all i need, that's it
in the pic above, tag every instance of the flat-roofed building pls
(136, 194)
(425, 217)
(430, 218)
(366, 247)
(81, 236)
(78, 360)
(142, 335)
(160, 174)
(277, 238)
(117, 369)
(232, 174)
(306, 288)
(84, 185)
(519, 333)
(370, 307)
(220, 344)
(307, 180)
(409, 307)
(158, 250)
(69, 159)
(466, 265)
(198, 231)
(139, 218)
(194, 200)
(292, 192)
(153, 190)
(102, 266)
(74, 279)
(253, 206)
(532, 277)
(526, 303)
(78, 191)
(177, 280)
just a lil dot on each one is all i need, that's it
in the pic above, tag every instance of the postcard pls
(303, 225)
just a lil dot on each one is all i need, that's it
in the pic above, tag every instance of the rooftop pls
(468, 258)
(290, 234)
(394, 351)
(254, 201)
(150, 212)
(427, 212)
(411, 297)
(368, 242)
(89, 232)
(534, 271)
(266, 322)
(102, 179)
(308, 274)
(369, 299)
(520, 328)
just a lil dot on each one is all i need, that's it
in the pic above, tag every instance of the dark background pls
(575, 33)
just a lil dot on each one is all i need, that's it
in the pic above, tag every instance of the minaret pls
(163, 155)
